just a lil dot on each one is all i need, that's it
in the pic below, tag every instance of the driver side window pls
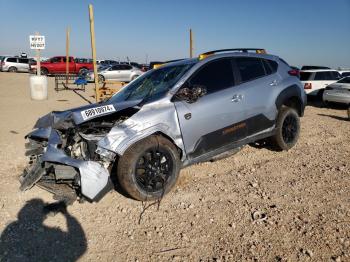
(214, 76)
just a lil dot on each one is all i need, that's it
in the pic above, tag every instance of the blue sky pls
(302, 32)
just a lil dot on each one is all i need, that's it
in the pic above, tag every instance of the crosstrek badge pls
(96, 111)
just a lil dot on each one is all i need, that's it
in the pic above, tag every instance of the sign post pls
(93, 48)
(37, 42)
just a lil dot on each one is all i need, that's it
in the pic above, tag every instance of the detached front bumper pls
(51, 168)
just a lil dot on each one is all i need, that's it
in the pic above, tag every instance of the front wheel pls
(287, 128)
(13, 69)
(149, 169)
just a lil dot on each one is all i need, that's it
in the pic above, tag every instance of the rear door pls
(113, 73)
(257, 81)
(23, 64)
(216, 119)
(125, 72)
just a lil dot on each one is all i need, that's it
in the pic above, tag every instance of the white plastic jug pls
(38, 87)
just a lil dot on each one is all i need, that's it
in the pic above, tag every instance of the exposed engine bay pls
(63, 156)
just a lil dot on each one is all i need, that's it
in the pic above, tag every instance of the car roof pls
(221, 55)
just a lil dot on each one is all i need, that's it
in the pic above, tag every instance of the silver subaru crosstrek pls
(182, 113)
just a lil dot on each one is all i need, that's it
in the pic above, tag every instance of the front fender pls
(143, 124)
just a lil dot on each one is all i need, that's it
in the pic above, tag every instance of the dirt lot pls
(258, 205)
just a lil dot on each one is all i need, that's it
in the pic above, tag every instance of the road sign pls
(37, 41)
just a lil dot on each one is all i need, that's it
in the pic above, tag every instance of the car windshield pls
(152, 84)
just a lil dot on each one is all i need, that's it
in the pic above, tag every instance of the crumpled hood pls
(76, 116)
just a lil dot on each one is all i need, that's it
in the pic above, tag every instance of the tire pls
(82, 70)
(139, 169)
(101, 79)
(134, 77)
(44, 71)
(320, 94)
(287, 129)
(13, 69)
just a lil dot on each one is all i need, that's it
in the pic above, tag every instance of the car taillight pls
(294, 72)
(308, 86)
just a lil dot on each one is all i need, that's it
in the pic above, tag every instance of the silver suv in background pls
(117, 72)
(179, 114)
(15, 64)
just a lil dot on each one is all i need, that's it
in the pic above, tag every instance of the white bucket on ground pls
(38, 87)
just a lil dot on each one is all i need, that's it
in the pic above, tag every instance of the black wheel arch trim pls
(291, 94)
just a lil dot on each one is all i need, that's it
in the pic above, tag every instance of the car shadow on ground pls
(336, 117)
(28, 239)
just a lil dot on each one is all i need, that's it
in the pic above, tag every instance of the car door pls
(125, 73)
(23, 65)
(113, 73)
(257, 80)
(217, 118)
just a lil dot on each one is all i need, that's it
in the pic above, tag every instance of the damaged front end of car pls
(63, 155)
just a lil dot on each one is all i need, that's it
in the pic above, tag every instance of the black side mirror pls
(191, 95)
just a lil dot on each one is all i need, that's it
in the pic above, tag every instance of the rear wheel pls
(149, 169)
(287, 128)
(44, 71)
(101, 79)
(82, 71)
(13, 69)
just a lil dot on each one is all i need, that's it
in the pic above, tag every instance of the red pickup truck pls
(57, 65)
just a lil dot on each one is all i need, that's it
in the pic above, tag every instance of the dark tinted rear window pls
(327, 75)
(250, 68)
(270, 66)
(304, 76)
(215, 76)
(23, 60)
(12, 59)
(345, 74)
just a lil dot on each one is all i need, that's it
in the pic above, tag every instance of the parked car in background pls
(338, 92)
(57, 65)
(313, 67)
(344, 72)
(117, 72)
(315, 81)
(15, 64)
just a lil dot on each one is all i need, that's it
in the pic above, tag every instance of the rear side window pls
(270, 66)
(250, 68)
(215, 76)
(23, 60)
(327, 75)
(304, 76)
(345, 74)
(12, 60)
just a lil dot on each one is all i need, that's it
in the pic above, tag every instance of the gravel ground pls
(259, 205)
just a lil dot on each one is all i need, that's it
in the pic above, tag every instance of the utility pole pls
(93, 49)
(191, 44)
(67, 53)
(38, 64)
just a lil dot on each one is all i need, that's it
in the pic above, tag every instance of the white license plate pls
(96, 111)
